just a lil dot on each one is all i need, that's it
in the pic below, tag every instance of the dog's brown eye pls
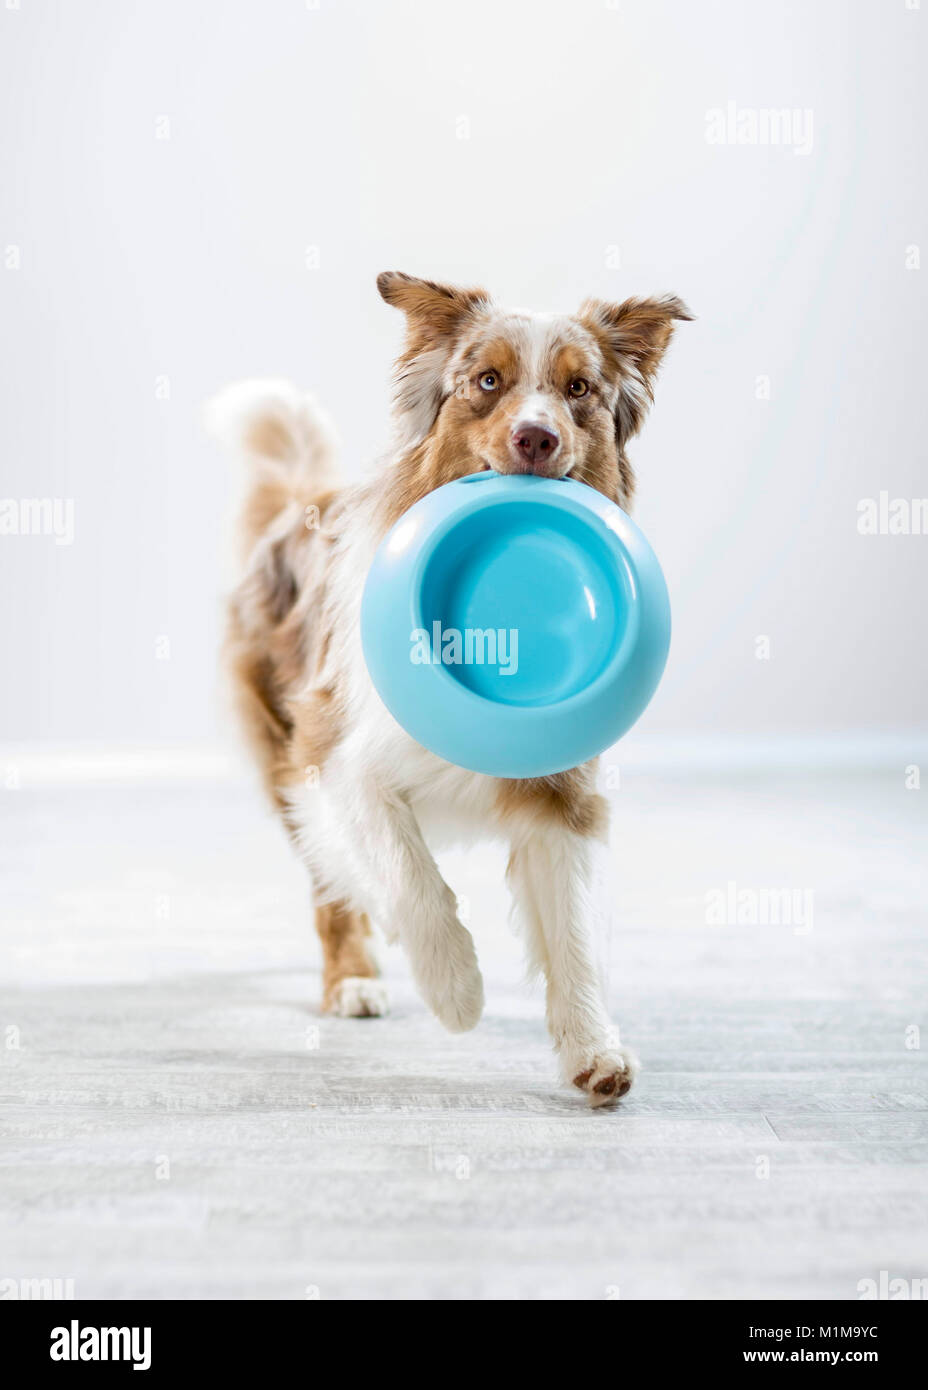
(578, 387)
(489, 381)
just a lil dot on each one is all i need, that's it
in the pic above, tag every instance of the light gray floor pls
(178, 1120)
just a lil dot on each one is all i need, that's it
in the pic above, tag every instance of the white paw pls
(607, 1076)
(459, 1003)
(357, 996)
(444, 966)
(449, 980)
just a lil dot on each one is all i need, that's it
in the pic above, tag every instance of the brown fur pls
(568, 799)
(343, 933)
(275, 644)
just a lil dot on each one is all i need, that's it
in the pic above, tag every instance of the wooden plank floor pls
(179, 1121)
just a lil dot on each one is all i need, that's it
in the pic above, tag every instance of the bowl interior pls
(523, 603)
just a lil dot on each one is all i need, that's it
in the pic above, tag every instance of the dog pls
(476, 387)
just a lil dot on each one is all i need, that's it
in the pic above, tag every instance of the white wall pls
(338, 128)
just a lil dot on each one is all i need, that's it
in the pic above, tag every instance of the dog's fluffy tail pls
(286, 439)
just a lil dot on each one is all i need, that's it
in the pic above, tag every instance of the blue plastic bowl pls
(515, 626)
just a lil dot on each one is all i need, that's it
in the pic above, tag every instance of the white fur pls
(360, 829)
(550, 873)
(231, 413)
(357, 996)
(230, 417)
(419, 396)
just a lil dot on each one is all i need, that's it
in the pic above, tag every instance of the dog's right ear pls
(435, 316)
(431, 309)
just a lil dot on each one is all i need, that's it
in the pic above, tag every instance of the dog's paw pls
(444, 966)
(358, 996)
(456, 996)
(607, 1077)
(460, 1005)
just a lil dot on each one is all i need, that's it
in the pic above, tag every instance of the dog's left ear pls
(435, 317)
(633, 337)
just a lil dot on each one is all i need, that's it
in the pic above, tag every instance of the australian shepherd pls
(477, 386)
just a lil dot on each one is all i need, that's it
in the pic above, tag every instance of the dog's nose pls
(535, 443)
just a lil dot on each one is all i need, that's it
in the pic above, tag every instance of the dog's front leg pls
(413, 903)
(550, 873)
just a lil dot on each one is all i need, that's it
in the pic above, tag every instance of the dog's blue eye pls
(489, 381)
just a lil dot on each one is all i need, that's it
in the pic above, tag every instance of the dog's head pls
(483, 387)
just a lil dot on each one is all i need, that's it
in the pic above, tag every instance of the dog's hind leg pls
(350, 988)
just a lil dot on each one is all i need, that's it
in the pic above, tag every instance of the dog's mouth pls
(507, 470)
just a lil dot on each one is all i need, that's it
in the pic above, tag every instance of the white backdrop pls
(198, 192)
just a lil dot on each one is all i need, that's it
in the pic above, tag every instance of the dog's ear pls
(633, 337)
(432, 310)
(435, 317)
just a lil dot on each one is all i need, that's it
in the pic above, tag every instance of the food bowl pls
(515, 625)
